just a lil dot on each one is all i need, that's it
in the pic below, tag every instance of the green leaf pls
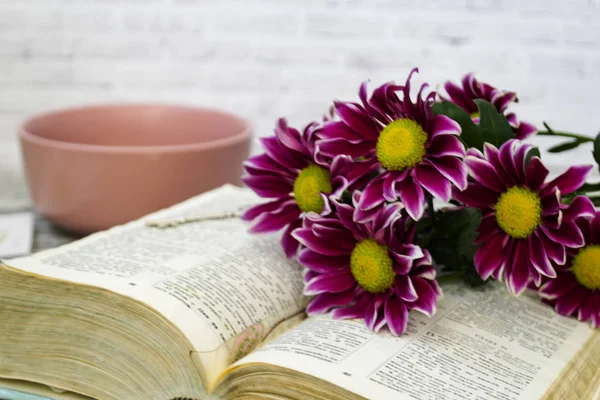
(493, 126)
(559, 148)
(533, 152)
(451, 242)
(596, 151)
(470, 135)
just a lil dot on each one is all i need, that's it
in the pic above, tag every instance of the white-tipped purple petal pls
(518, 276)
(412, 197)
(580, 206)
(372, 196)
(308, 239)
(539, 258)
(568, 303)
(288, 242)
(321, 263)
(396, 315)
(426, 303)
(452, 168)
(570, 180)
(568, 234)
(489, 256)
(536, 175)
(332, 282)
(404, 288)
(446, 145)
(483, 172)
(435, 183)
(476, 195)
(274, 221)
(326, 301)
(442, 125)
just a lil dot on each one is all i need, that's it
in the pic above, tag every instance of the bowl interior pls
(137, 125)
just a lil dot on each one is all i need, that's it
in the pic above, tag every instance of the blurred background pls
(269, 58)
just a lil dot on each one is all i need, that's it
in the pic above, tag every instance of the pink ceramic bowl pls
(95, 167)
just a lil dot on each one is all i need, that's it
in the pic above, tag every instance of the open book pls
(206, 310)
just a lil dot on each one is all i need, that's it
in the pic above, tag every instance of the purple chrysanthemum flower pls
(366, 270)
(472, 89)
(525, 227)
(412, 148)
(576, 288)
(297, 179)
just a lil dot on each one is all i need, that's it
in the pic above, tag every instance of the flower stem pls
(578, 138)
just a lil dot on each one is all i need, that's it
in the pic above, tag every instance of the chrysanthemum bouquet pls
(354, 194)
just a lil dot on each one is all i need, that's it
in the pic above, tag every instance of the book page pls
(212, 278)
(481, 344)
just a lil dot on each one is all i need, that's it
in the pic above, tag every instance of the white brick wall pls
(267, 58)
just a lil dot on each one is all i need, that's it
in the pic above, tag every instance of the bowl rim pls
(245, 134)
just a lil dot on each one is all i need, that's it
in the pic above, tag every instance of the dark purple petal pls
(356, 118)
(372, 311)
(551, 203)
(493, 156)
(536, 174)
(354, 311)
(558, 287)
(424, 271)
(274, 221)
(339, 237)
(320, 263)
(372, 196)
(568, 303)
(488, 257)
(389, 187)
(580, 206)
(539, 258)
(453, 169)
(337, 129)
(402, 264)
(289, 137)
(525, 130)
(337, 146)
(446, 145)
(326, 301)
(476, 195)
(568, 234)
(436, 184)
(412, 197)
(331, 282)
(289, 244)
(458, 97)
(268, 207)
(442, 125)
(555, 251)
(307, 238)
(569, 181)
(404, 288)
(518, 277)
(396, 315)
(268, 186)
(288, 158)
(484, 173)
(506, 155)
(426, 303)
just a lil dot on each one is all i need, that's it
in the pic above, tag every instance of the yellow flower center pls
(519, 212)
(371, 266)
(586, 267)
(308, 186)
(401, 144)
(475, 115)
